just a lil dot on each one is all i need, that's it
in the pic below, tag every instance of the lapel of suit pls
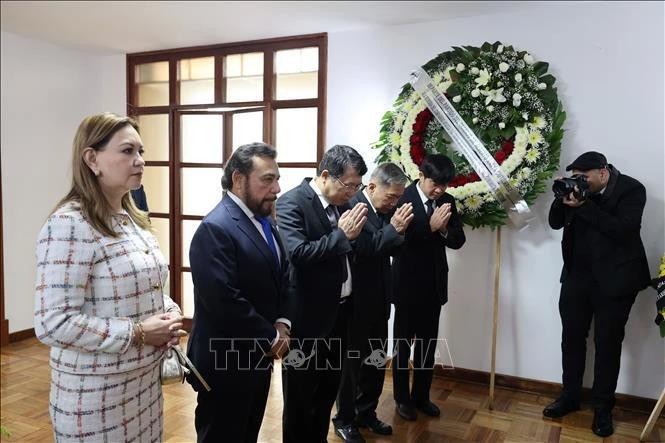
(372, 216)
(413, 196)
(249, 229)
(316, 204)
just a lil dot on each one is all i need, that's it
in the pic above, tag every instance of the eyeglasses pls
(349, 187)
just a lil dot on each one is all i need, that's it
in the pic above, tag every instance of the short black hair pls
(242, 161)
(340, 157)
(438, 168)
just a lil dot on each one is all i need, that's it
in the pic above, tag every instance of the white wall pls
(46, 92)
(608, 60)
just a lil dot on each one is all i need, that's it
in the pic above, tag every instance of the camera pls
(564, 186)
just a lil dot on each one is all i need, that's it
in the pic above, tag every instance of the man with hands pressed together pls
(318, 227)
(420, 282)
(364, 370)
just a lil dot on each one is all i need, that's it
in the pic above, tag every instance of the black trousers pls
(416, 324)
(233, 410)
(311, 384)
(581, 300)
(362, 381)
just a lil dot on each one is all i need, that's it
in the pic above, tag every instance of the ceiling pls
(108, 27)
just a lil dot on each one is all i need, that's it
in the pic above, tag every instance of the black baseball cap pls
(587, 161)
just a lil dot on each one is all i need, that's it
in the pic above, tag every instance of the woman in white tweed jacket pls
(99, 299)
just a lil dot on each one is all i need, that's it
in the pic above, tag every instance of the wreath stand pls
(653, 417)
(495, 320)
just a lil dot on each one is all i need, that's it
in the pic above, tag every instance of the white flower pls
(532, 155)
(499, 84)
(517, 100)
(493, 95)
(473, 202)
(475, 93)
(490, 108)
(535, 138)
(394, 139)
(457, 98)
(539, 122)
(474, 71)
(437, 78)
(542, 86)
(394, 155)
(460, 67)
(503, 67)
(446, 73)
(502, 125)
(528, 59)
(475, 120)
(499, 50)
(483, 77)
(518, 77)
(525, 116)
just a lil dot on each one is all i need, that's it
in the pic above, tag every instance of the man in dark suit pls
(364, 368)
(140, 199)
(318, 228)
(420, 281)
(604, 267)
(239, 270)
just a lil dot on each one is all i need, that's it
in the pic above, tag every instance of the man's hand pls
(571, 201)
(402, 217)
(353, 220)
(281, 347)
(440, 217)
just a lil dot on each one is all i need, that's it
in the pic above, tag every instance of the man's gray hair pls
(389, 174)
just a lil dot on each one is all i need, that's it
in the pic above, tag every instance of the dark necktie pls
(332, 216)
(267, 230)
(429, 204)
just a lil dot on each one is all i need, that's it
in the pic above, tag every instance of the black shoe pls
(349, 433)
(602, 422)
(407, 412)
(560, 407)
(375, 425)
(429, 408)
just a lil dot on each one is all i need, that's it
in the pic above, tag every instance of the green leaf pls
(540, 68)
(548, 79)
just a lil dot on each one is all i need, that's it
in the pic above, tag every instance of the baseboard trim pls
(21, 335)
(4, 332)
(624, 401)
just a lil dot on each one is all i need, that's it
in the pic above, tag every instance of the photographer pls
(604, 267)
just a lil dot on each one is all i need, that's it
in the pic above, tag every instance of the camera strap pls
(468, 144)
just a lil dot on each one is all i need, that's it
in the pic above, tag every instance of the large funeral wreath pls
(510, 102)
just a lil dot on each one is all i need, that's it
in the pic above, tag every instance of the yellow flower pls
(473, 203)
(539, 122)
(532, 155)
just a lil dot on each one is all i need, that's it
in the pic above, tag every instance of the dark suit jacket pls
(372, 278)
(238, 291)
(140, 199)
(421, 267)
(317, 260)
(612, 228)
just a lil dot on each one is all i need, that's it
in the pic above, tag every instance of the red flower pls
(500, 156)
(507, 147)
(473, 177)
(416, 139)
(417, 154)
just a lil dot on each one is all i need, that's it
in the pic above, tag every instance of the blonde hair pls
(95, 132)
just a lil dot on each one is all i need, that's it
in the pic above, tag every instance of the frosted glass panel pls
(155, 135)
(244, 77)
(201, 138)
(296, 134)
(247, 128)
(189, 227)
(244, 89)
(297, 73)
(292, 177)
(152, 81)
(201, 190)
(197, 80)
(156, 186)
(161, 226)
(187, 295)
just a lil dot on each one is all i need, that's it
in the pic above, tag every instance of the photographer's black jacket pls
(611, 227)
